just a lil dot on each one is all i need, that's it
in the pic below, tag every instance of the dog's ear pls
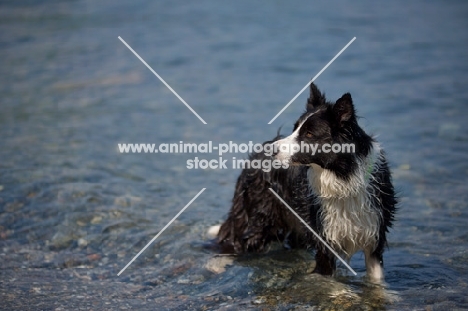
(315, 99)
(344, 109)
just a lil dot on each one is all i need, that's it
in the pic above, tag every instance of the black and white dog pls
(348, 198)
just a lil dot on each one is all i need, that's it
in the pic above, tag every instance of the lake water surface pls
(74, 211)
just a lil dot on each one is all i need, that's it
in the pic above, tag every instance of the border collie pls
(347, 198)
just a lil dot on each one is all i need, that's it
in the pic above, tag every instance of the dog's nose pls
(274, 148)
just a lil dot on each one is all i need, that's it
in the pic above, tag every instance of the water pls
(74, 211)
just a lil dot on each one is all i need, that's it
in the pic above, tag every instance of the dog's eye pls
(309, 134)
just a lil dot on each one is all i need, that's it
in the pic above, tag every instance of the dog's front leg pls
(325, 262)
(374, 265)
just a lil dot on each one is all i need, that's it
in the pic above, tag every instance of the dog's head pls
(327, 134)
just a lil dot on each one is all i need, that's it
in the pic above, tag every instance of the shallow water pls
(74, 211)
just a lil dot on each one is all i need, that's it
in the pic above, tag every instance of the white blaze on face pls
(287, 146)
(290, 145)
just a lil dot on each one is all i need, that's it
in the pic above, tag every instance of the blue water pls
(74, 211)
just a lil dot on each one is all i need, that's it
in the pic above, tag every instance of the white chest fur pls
(350, 223)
